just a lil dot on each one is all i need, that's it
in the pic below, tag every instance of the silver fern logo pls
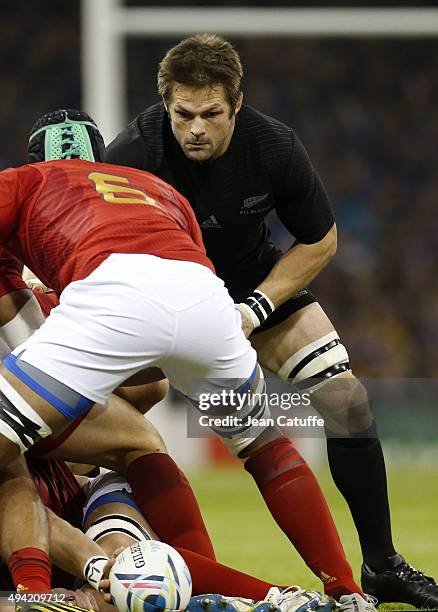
(254, 200)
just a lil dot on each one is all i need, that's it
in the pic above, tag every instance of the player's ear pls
(239, 103)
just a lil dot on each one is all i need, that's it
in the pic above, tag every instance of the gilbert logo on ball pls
(150, 576)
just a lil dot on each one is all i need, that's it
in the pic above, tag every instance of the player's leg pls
(144, 396)
(24, 529)
(222, 359)
(20, 426)
(305, 351)
(118, 437)
(111, 436)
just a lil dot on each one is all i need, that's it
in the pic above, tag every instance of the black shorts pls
(293, 304)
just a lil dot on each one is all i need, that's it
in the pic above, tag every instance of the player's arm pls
(304, 209)
(74, 552)
(298, 267)
(20, 313)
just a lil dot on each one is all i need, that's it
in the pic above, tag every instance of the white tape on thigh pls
(117, 523)
(108, 482)
(258, 402)
(20, 407)
(311, 368)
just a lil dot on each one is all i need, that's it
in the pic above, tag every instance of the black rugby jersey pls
(265, 167)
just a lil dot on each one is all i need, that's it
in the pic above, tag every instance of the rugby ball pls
(150, 576)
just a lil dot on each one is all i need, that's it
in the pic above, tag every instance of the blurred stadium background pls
(366, 108)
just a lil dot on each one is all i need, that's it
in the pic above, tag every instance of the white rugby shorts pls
(102, 485)
(135, 311)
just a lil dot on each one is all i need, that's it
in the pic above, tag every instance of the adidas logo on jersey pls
(210, 223)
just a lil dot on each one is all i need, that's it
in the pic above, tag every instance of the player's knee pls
(154, 443)
(157, 391)
(19, 422)
(316, 363)
(144, 397)
(148, 441)
(322, 369)
(344, 405)
(240, 416)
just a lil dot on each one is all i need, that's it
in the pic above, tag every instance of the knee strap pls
(18, 420)
(316, 363)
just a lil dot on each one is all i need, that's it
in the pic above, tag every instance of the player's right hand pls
(247, 323)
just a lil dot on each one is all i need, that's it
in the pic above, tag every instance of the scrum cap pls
(65, 134)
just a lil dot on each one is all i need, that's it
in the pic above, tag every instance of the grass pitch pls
(246, 537)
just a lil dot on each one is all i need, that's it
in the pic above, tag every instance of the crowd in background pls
(39, 68)
(367, 113)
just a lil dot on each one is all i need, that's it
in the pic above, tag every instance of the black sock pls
(358, 470)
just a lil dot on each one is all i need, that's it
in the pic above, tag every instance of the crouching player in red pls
(91, 437)
(112, 520)
(124, 251)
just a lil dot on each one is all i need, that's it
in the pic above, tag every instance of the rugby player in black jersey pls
(235, 165)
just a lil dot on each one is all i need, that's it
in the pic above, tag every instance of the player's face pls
(201, 121)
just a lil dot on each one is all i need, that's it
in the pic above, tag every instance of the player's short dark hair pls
(202, 60)
(65, 134)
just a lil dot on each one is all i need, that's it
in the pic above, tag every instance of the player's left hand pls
(247, 324)
(105, 583)
(36, 285)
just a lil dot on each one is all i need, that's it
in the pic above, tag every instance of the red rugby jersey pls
(10, 272)
(63, 218)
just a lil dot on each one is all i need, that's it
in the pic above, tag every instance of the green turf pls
(246, 537)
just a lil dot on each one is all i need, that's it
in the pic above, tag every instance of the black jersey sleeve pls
(127, 149)
(303, 205)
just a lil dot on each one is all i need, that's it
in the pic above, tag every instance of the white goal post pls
(106, 23)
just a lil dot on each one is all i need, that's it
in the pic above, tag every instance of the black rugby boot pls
(401, 583)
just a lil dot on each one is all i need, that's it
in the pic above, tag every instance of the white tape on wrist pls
(258, 306)
(248, 311)
(93, 570)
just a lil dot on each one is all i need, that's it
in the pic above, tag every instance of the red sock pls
(209, 576)
(30, 568)
(168, 503)
(296, 502)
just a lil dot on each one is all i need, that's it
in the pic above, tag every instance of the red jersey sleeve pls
(46, 300)
(10, 273)
(9, 203)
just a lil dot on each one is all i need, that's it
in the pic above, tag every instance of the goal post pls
(105, 25)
